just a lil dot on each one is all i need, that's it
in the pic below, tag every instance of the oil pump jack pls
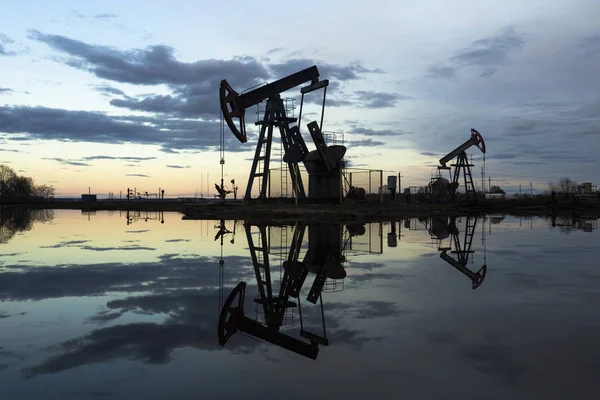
(441, 228)
(324, 258)
(323, 164)
(440, 187)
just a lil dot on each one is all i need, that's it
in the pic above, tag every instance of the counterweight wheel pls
(478, 140)
(231, 109)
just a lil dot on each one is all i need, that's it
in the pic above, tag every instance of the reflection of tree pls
(19, 219)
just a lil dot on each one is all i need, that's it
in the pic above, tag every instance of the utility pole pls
(519, 188)
(530, 188)
(489, 183)
(400, 176)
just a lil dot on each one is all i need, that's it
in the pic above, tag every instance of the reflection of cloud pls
(138, 231)
(118, 248)
(170, 271)
(369, 309)
(177, 240)
(4, 314)
(496, 360)
(70, 243)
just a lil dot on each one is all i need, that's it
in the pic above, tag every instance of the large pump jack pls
(323, 257)
(462, 164)
(233, 107)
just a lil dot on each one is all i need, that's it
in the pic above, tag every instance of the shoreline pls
(351, 212)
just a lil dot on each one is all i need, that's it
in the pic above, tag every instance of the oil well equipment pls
(442, 189)
(324, 165)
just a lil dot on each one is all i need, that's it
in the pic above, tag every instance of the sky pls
(111, 95)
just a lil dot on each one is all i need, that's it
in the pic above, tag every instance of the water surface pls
(117, 305)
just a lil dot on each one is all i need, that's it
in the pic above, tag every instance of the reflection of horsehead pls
(442, 228)
(323, 258)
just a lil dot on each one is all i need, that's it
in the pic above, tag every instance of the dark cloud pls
(372, 99)
(138, 231)
(10, 150)
(441, 71)
(4, 41)
(429, 154)
(275, 50)
(177, 240)
(85, 126)
(5, 90)
(490, 51)
(487, 53)
(68, 162)
(364, 143)
(368, 309)
(377, 132)
(488, 72)
(69, 243)
(178, 166)
(109, 90)
(132, 159)
(139, 175)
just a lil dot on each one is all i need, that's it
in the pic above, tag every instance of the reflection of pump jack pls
(232, 318)
(134, 216)
(463, 251)
(223, 231)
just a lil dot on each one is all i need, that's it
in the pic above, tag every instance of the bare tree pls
(563, 185)
(6, 175)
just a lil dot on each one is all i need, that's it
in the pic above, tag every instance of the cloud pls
(132, 159)
(377, 132)
(5, 40)
(487, 53)
(106, 16)
(10, 150)
(69, 243)
(177, 240)
(372, 99)
(178, 166)
(107, 90)
(441, 71)
(369, 309)
(68, 162)
(5, 90)
(139, 175)
(429, 154)
(193, 85)
(364, 143)
(85, 126)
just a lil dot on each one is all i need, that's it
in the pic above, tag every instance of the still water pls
(123, 306)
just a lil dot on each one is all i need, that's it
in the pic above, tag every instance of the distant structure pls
(89, 198)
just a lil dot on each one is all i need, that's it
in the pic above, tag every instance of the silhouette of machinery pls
(134, 216)
(441, 188)
(324, 165)
(441, 228)
(324, 258)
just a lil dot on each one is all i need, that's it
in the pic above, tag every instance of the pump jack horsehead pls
(323, 164)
